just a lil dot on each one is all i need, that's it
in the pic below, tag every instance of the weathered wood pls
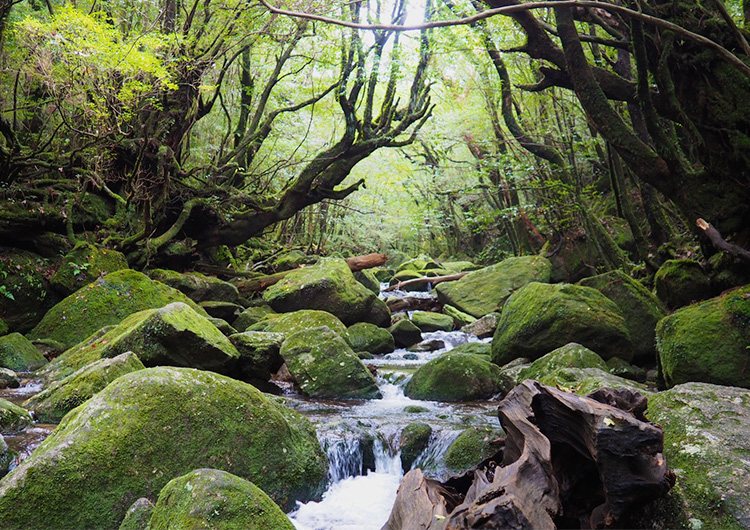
(366, 261)
(434, 280)
(413, 303)
(720, 243)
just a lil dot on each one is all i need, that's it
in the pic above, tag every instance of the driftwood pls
(433, 280)
(356, 263)
(720, 243)
(569, 461)
(413, 303)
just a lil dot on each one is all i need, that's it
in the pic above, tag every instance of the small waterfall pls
(432, 460)
(387, 459)
(344, 456)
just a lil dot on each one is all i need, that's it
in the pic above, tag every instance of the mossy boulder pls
(259, 354)
(474, 348)
(291, 323)
(584, 381)
(84, 264)
(383, 274)
(641, 309)
(483, 327)
(138, 515)
(460, 266)
(460, 318)
(706, 444)
(18, 354)
(405, 276)
(368, 279)
(540, 317)
(8, 379)
(224, 310)
(472, 447)
(198, 287)
(457, 377)
(572, 355)
(405, 333)
(486, 290)
(707, 342)
(328, 285)
(153, 425)
(210, 498)
(24, 296)
(678, 282)
(324, 366)
(428, 321)
(105, 302)
(12, 417)
(55, 401)
(292, 260)
(370, 338)
(414, 440)
(222, 325)
(252, 315)
(620, 368)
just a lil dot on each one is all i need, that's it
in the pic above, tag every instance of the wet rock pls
(679, 282)
(540, 317)
(210, 498)
(460, 318)
(584, 381)
(138, 515)
(105, 302)
(370, 338)
(472, 446)
(428, 321)
(259, 354)
(457, 377)
(6, 457)
(486, 290)
(198, 287)
(324, 366)
(483, 327)
(84, 264)
(17, 353)
(405, 276)
(12, 417)
(55, 401)
(405, 333)
(707, 342)
(414, 440)
(153, 425)
(8, 379)
(427, 345)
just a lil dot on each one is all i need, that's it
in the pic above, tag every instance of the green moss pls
(415, 409)
(104, 302)
(679, 282)
(84, 264)
(324, 366)
(209, 498)
(457, 377)
(472, 447)
(290, 323)
(405, 333)
(486, 290)
(583, 381)
(138, 515)
(259, 354)
(474, 348)
(252, 315)
(429, 321)
(414, 440)
(707, 342)
(368, 279)
(12, 417)
(198, 287)
(8, 379)
(55, 401)
(3, 328)
(572, 355)
(153, 425)
(20, 355)
(460, 318)
(541, 317)
(370, 338)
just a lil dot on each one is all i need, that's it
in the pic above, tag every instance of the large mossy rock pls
(210, 498)
(475, 348)
(55, 401)
(324, 366)
(540, 317)
(706, 443)
(290, 323)
(368, 279)
(13, 418)
(198, 287)
(173, 335)
(678, 282)
(486, 290)
(413, 441)
(24, 297)
(471, 447)
(405, 333)
(17, 353)
(105, 302)
(138, 515)
(584, 381)
(641, 309)
(428, 321)
(572, 355)
(84, 264)
(252, 315)
(259, 354)
(329, 286)
(457, 377)
(153, 425)
(707, 342)
(370, 338)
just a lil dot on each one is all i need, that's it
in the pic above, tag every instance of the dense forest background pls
(176, 131)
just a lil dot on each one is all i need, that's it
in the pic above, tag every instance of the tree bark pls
(434, 280)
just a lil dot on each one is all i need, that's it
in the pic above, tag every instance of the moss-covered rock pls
(641, 309)
(429, 321)
(383, 274)
(540, 317)
(329, 285)
(706, 443)
(486, 290)
(474, 348)
(18, 354)
(707, 342)
(513, 369)
(198, 287)
(9, 379)
(55, 401)
(367, 278)
(4, 328)
(105, 302)
(583, 381)
(572, 355)
(72, 359)
(370, 338)
(471, 447)
(223, 326)
(148, 427)
(457, 377)
(405, 333)
(259, 354)
(291, 323)
(324, 366)
(679, 282)
(252, 315)
(292, 260)
(210, 498)
(620, 368)
(460, 318)
(12, 417)
(138, 515)
(379, 314)
(483, 327)
(24, 296)
(405, 276)
(224, 310)
(6, 457)
(414, 440)
(84, 264)
(460, 266)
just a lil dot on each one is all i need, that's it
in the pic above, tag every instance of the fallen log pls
(366, 261)
(432, 280)
(413, 303)
(720, 243)
(569, 461)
